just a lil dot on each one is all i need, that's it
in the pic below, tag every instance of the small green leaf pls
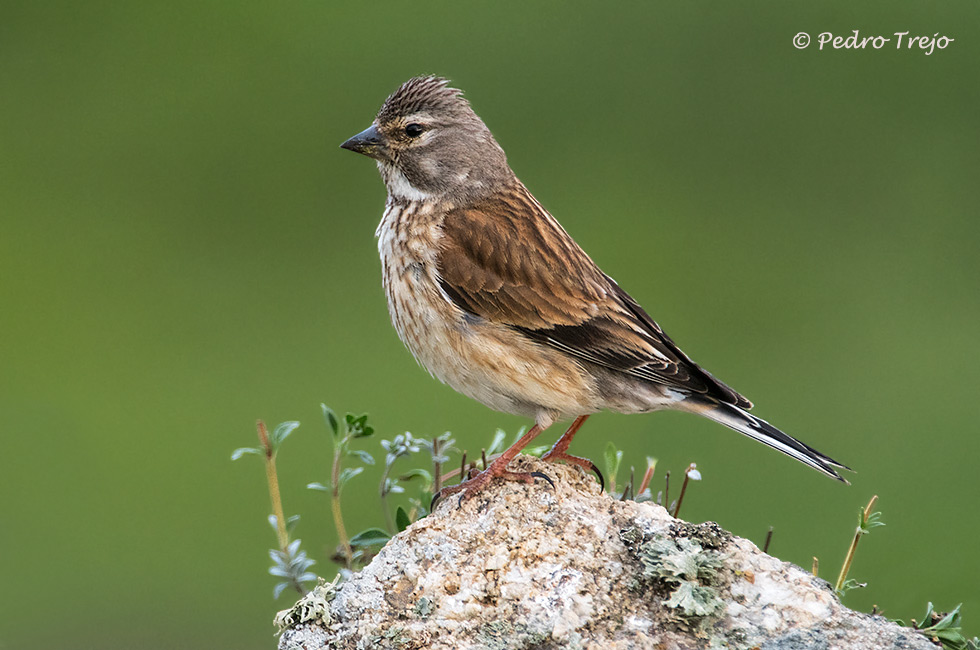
(538, 451)
(849, 585)
(401, 519)
(331, 419)
(613, 458)
(520, 433)
(278, 589)
(362, 455)
(951, 620)
(279, 571)
(947, 629)
(244, 451)
(416, 473)
(347, 474)
(357, 426)
(370, 537)
(497, 444)
(282, 431)
(317, 486)
(874, 520)
(291, 523)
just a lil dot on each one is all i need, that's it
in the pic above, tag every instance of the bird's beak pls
(367, 142)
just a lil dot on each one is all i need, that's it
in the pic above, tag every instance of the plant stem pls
(383, 492)
(854, 543)
(628, 490)
(437, 467)
(270, 473)
(338, 519)
(680, 499)
(648, 475)
(765, 548)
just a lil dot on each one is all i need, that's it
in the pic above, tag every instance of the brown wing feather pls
(507, 260)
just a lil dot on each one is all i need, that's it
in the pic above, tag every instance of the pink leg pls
(498, 467)
(558, 451)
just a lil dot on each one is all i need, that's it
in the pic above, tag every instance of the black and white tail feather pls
(758, 429)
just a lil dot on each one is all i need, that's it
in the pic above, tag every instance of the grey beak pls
(366, 142)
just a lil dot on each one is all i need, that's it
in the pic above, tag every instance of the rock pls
(530, 567)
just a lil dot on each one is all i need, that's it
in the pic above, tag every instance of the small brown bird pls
(494, 298)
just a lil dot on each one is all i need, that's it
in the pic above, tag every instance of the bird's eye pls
(414, 130)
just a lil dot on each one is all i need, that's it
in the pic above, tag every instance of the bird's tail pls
(758, 429)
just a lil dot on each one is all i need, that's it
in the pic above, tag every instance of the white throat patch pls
(399, 187)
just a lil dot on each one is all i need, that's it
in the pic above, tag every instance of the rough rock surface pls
(526, 566)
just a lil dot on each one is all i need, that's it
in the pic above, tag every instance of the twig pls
(765, 547)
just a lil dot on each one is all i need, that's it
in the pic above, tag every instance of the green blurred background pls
(184, 249)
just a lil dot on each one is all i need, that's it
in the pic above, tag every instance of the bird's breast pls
(488, 361)
(408, 237)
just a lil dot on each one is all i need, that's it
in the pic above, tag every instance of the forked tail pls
(758, 429)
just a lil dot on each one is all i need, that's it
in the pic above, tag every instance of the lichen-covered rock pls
(531, 567)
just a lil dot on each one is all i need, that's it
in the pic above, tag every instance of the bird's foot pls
(586, 464)
(479, 481)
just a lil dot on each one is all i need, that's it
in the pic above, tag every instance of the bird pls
(494, 298)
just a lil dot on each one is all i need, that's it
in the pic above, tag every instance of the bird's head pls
(429, 144)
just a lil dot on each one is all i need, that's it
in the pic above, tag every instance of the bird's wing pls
(507, 260)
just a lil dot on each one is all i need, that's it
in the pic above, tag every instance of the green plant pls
(400, 446)
(944, 628)
(866, 521)
(355, 427)
(613, 459)
(941, 628)
(288, 561)
(357, 550)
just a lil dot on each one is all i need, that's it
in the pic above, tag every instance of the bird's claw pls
(472, 485)
(545, 477)
(584, 463)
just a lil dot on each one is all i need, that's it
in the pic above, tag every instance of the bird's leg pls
(498, 467)
(558, 451)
